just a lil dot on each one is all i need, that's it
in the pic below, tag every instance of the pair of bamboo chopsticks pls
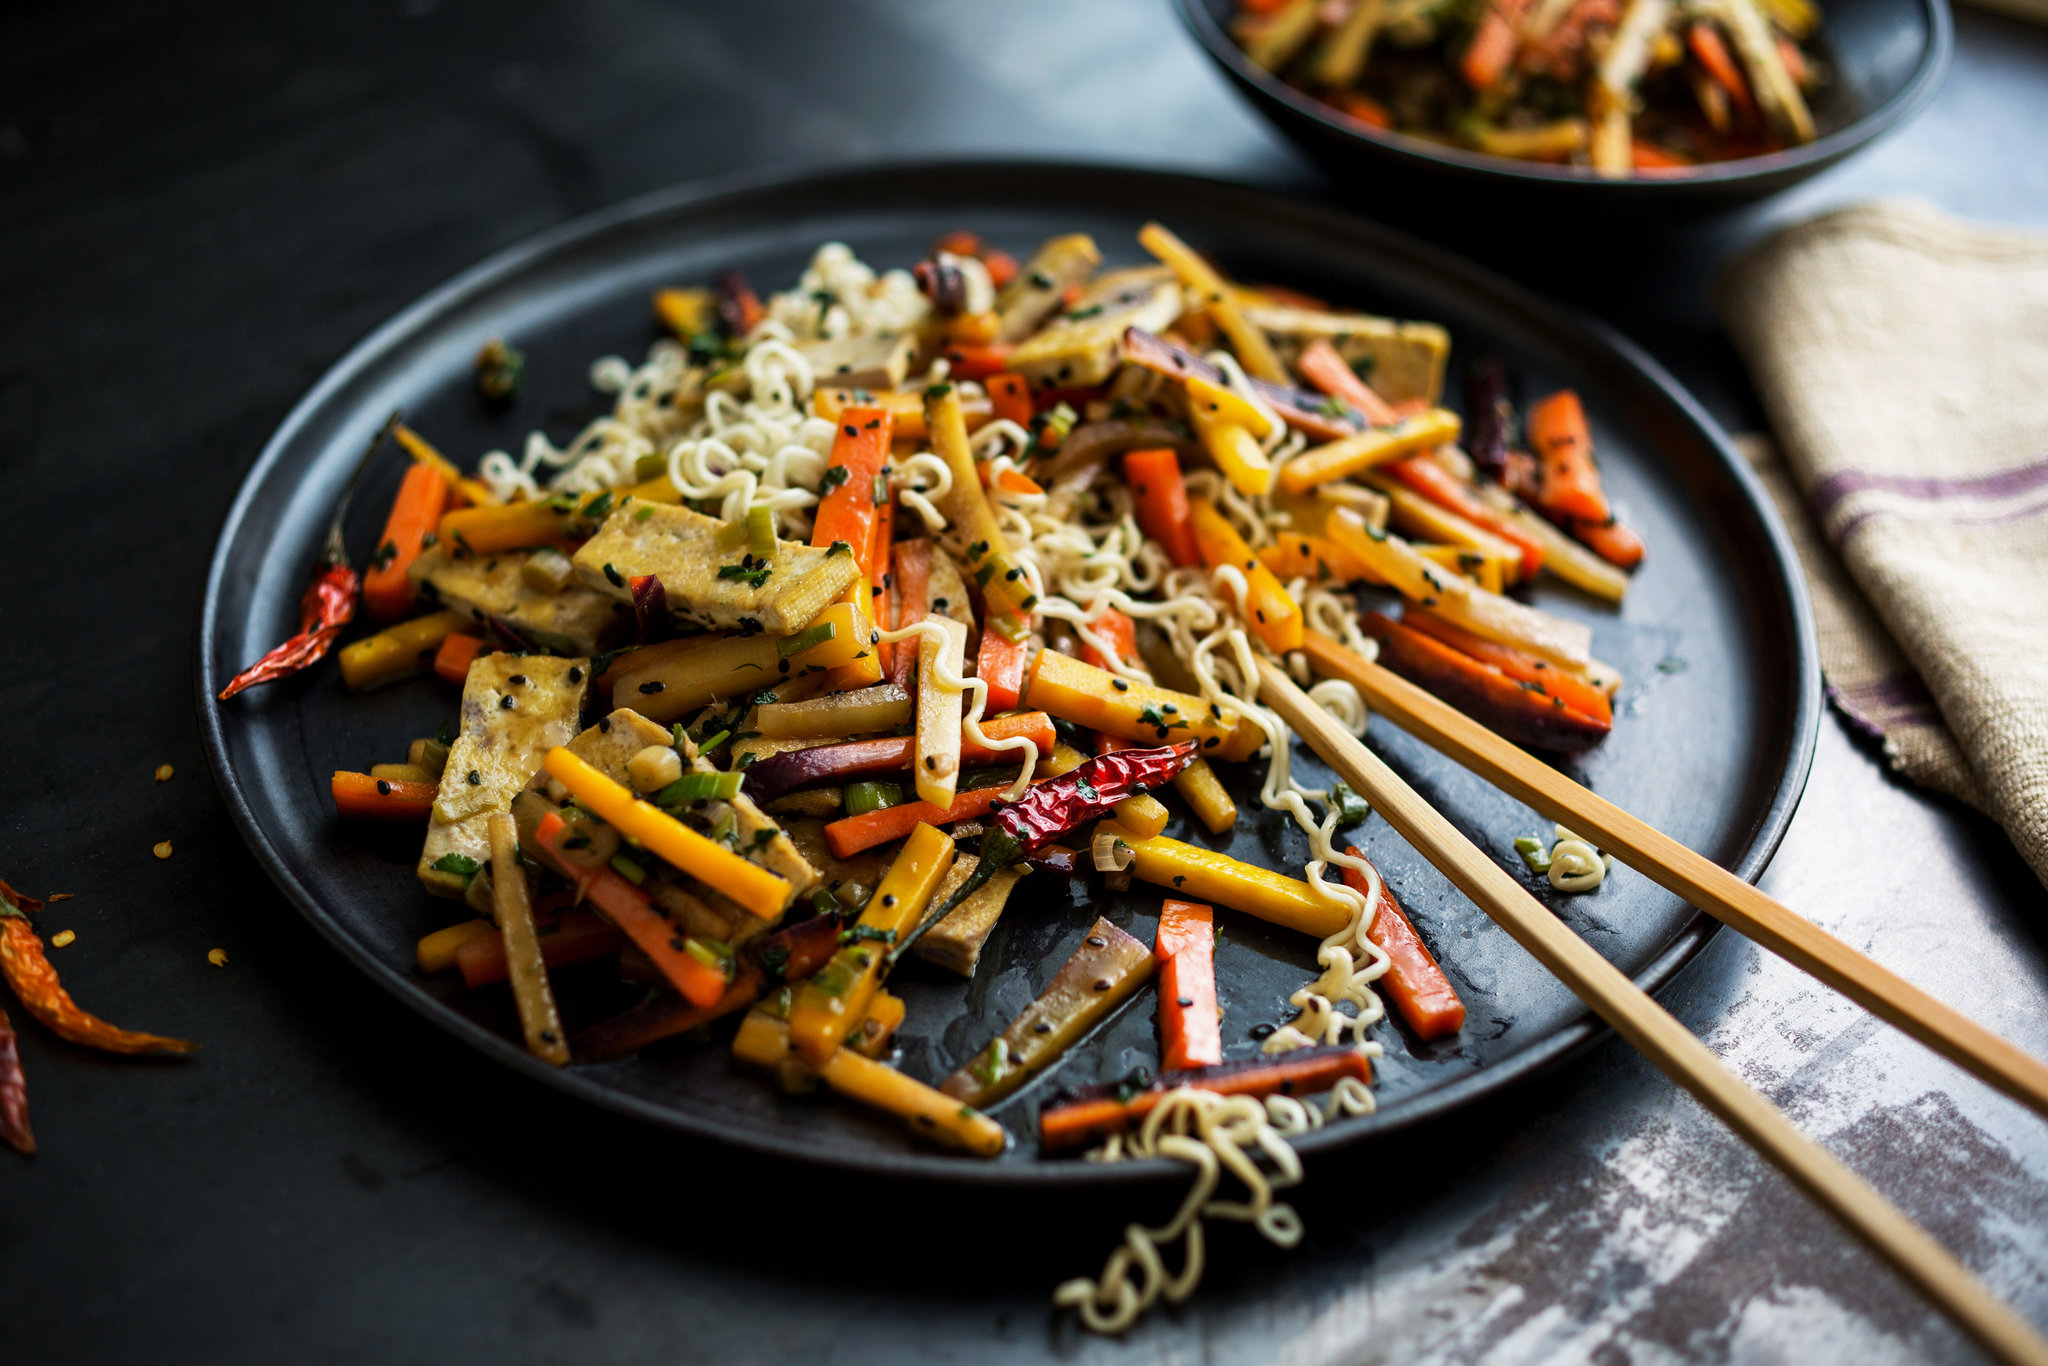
(1626, 1007)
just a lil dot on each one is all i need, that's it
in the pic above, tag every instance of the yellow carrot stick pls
(719, 868)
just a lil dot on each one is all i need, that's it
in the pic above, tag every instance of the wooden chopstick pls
(1705, 884)
(1659, 1037)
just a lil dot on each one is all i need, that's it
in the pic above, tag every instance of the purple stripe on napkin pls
(2000, 484)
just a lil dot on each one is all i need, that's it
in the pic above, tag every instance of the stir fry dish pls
(1625, 87)
(875, 599)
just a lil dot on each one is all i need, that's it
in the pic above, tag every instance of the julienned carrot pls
(1493, 44)
(456, 654)
(1712, 54)
(1422, 473)
(1121, 633)
(1000, 665)
(1648, 156)
(700, 981)
(850, 836)
(577, 937)
(1520, 714)
(1190, 1032)
(363, 797)
(911, 563)
(1321, 366)
(1423, 996)
(847, 511)
(1570, 482)
(1010, 394)
(1159, 497)
(1611, 541)
(1523, 667)
(422, 498)
(1366, 109)
(978, 362)
(1303, 1072)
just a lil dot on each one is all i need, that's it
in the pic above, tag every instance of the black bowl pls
(1889, 58)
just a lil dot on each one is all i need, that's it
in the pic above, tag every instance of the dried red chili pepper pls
(329, 602)
(14, 1130)
(1057, 806)
(26, 969)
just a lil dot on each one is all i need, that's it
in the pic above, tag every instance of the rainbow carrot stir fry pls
(1623, 87)
(877, 599)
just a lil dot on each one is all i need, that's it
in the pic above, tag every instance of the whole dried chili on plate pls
(35, 982)
(14, 1130)
(329, 602)
(1057, 806)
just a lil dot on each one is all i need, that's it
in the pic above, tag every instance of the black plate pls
(1888, 57)
(1714, 733)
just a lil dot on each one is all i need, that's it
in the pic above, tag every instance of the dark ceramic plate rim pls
(726, 192)
(1918, 89)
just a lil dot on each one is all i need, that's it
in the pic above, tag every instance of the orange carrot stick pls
(847, 511)
(1611, 541)
(1713, 56)
(1422, 995)
(1159, 498)
(1564, 446)
(578, 937)
(1001, 666)
(1296, 1074)
(1321, 366)
(363, 797)
(422, 497)
(1122, 634)
(626, 906)
(912, 561)
(1010, 395)
(1422, 473)
(850, 836)
(1493, 44)
(1577, 694)
(1190, 1031)
(453, 659)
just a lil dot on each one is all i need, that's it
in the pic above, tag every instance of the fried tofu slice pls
(515, 708)
(680, 548)
(574, 621)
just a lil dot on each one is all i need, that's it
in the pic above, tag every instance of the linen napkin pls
(1902, 356)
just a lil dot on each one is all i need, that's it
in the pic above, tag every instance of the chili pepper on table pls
(1056, 807)
(329, 602)
(35, 982)
(14, 1130)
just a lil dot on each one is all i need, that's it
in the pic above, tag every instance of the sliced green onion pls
(810, 638)
(697, 787)
(723, 828)
(761, 531)
(629, 869)
(710, 952)
(1350, 807)
(707, 745)
(648, 466)
(864, 797)
(732, 535)
(974, 779)
(1533, 853)
(824, 903)
(881, 490)
(1009, 626)
(1058, 423)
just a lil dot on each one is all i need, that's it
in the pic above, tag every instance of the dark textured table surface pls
(202, 206)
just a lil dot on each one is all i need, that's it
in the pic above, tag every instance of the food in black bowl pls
(1639, 99)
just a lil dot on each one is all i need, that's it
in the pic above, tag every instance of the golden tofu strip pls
(941, 656)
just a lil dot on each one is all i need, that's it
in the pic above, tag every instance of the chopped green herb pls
(1533, 853)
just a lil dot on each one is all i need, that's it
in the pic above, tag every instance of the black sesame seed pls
(1119, 685)
(575, 673)
(1185, 1002)
(517, 680)
(888, 900)
(1042, 1027)
(507, 702)
(475, 778)
(383, 788)
(1096, 941)
(1103, 984)
(604, 725)
(1262, 1031)
(652, 686)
